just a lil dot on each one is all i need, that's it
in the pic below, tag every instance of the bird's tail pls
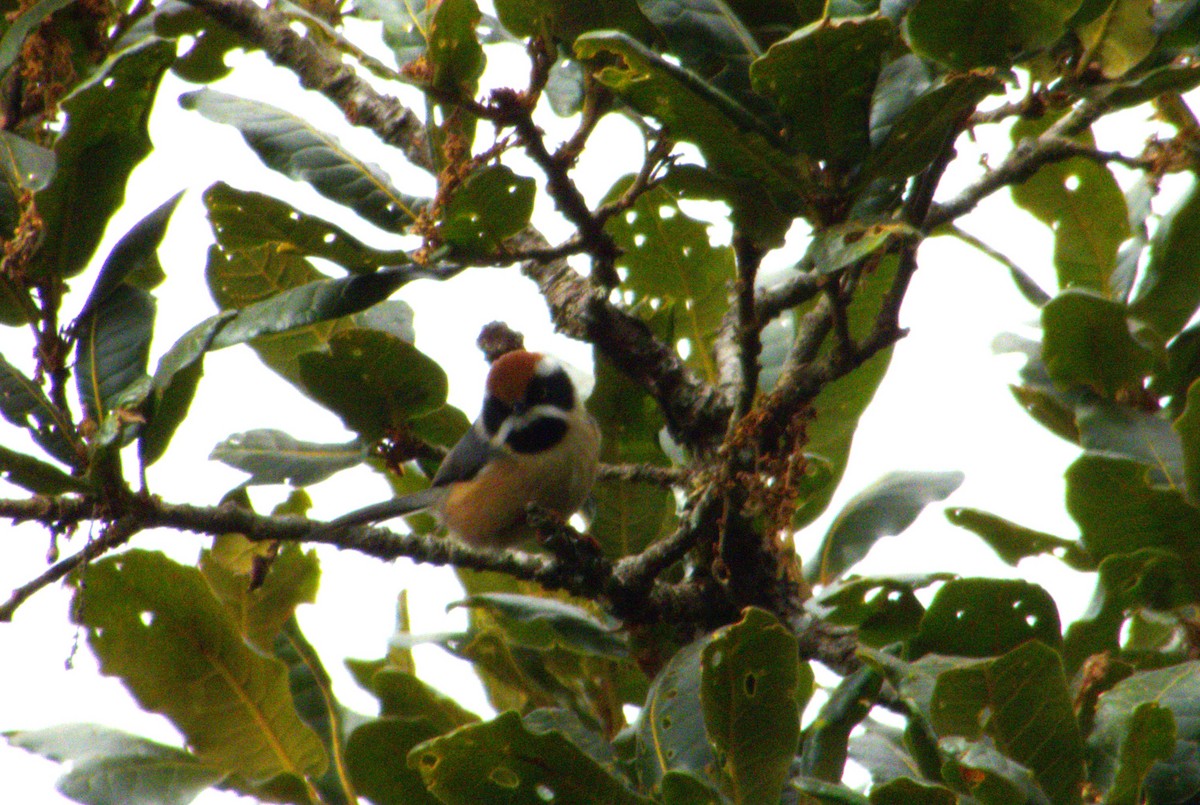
(388, 509)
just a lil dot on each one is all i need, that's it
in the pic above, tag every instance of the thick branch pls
(322, 70)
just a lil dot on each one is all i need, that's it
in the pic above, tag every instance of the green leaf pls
(566, 19)
(37, 476)
(108, 765)
(1028, 287)
(884, 509)
(988, 776)
(454, 50)
(203, 42)
(1119, 512)
(25, 165)
(274, 457)
(1021, 702)
(104, 138)
(402, 695)
(244, 219)
(987, 617)
(1149, 737)
(1123, 431)
(291, 145)
(879, 748)
(980, 33)
(501, 760)
(492, 204)
(1120, 38)
(374, 381)
(544, 622)
(1169, 292)
(112, 349)
(134, 260)
(836, 247)
(670, 731)
(157, 626)
(1082, 202)
(822, 78)
(1089, 341)
(735, 144)
(24, 404)
(1188, 428)
(1013, 542)
(753, 692)
(672, 264)
(827, 739)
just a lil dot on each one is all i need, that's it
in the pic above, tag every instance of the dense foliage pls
(728, 397)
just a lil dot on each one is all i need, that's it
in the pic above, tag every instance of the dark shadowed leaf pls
(1121, 37)
(544, 622)
(292, 146)
(980, 33)
(990, 777)
(1122, 431)
(453, 48)
(104, 138)
(244, 219)
(1013, 542)
(566, 19)
(37, 476)
(275, 457)
(822, 78)
(884, 509)
(112, 348)
(837, 247)
(24, 404)
(753, 691)
(881, 610)
(1088, 341)
(158, 627)
(501, 760)
(374, 381)
(174, 386)
(375, 754)
(907, 791)
(134, 260)
(1188, 429)
(827, 740)
(492, 204)
(1149, 737)
(1021, 702)
(1169, 293)
(986, 618)
(109, 766)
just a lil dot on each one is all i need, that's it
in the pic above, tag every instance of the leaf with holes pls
(670, 731)
(292, 146)
(244, 219)
(880, 610)
(1021, 702)
(492, 204)
(502, 760)
(454, 50)
(753, 691)
(822, 78)
(157, 626)
(885, 508)
(671, 261)
(104, 137)
(985, 618)
(1012, 542)
(1082, 202)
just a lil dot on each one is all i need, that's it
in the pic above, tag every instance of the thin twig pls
(644, 473)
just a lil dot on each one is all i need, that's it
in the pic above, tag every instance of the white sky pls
(943, 406)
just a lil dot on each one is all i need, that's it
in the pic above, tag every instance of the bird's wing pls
(465, 459)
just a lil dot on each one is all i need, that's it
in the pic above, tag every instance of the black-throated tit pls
(533, 443)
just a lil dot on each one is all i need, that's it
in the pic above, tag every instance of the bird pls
(533, 442)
